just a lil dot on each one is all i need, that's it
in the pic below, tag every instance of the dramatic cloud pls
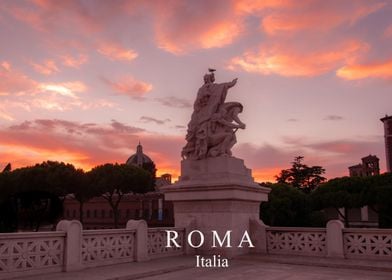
(175, 102)
(315, 15)
(117, 52)
(388, 32)
(209, 24)
(13, 81)
(288, 62)
(84, 144)
(129, 86)
(69, 89)
(74, 61)
(361, 71)
(146, 119)
(48, 67)
(335, 156)
(333, 118)
(255, 6)
(18, 91)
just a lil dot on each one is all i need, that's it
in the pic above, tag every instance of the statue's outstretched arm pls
(232, 83)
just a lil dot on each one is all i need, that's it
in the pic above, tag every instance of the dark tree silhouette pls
(113, 181)
(288, 206)
(301, 176)
(82, 190)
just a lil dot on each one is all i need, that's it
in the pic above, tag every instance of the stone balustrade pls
(367, 244)
(21, 252)
(157, 239)
(72, 248)
(297, 241)
(333, 241)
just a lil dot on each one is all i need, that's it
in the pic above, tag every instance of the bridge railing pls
(25, 252)
(72, 248)
(333, 241)
(297, 241)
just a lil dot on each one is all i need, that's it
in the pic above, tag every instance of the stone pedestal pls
(218, 194)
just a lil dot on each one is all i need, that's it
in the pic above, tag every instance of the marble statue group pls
(214, 122)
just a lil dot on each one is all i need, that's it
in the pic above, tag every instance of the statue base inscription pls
(217, 194)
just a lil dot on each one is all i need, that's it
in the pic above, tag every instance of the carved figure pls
(212, 128)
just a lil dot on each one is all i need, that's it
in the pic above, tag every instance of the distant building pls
(387, 120)
(370, 166)
(365, 216)
(139, 158)
(151, 206)
(97, 214)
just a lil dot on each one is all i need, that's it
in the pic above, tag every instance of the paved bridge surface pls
(271, 267)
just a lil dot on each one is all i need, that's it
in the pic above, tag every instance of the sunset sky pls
(84, 81)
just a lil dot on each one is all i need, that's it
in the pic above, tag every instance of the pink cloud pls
(48, 67)
(315, 15)
(371, 70)
(129, 86)
(74, 61)
(336, 156)
(84, 144)
(211, 24)
(12, 81)
(286, 61)
(388, 32)
(116, 52)
(20, 92)
(255, 6)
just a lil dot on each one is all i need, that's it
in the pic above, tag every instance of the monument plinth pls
(215, 190)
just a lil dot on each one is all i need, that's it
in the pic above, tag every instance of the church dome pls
(139, 158)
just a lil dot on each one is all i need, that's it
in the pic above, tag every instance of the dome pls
(138, 158)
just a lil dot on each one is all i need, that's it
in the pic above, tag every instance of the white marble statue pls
(211, 130)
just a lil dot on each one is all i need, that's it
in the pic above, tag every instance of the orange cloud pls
(117, 52)
(286, 62)
(374, 70)
(6, 66)
(388, 32)
(208, 25)
(18, 91)
(129, 86)
(13, 81)
(48, 67)
(68, 89)
(315, 15)
(266, 174)
(254, 6)
(84, 144)
(74, 61)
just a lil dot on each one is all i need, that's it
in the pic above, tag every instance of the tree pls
(301, 176)
(8, 218)
(113, 181)
(288, 206)
(150, 167)
(355, 192)
(378, 196)
(82, 190)
(345, 192)
(36, 193)
(7, 168)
